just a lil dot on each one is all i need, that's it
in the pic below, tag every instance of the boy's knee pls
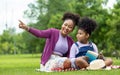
(108, 62)
(81, 63)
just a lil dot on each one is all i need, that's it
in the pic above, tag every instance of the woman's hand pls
(23, 26)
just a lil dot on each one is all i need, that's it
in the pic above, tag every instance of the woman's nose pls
(66, 27)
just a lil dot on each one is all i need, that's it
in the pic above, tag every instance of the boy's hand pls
(101, 56)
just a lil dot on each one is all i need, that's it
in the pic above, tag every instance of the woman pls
(58, 42)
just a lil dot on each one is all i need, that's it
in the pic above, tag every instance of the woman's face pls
(82, 36)
(67, 27)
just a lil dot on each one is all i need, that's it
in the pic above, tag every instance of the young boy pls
(79, 49)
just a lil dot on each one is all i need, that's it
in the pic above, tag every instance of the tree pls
(94, 9)
(49, 16)
(46, 14)
(7, 42)
(114, 28)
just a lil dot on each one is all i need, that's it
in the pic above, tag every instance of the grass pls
(27, 63)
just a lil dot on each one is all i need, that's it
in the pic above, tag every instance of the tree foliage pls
(48, 14)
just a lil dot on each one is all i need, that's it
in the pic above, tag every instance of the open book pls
(91, 55)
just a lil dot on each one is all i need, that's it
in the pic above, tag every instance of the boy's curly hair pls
(74, 17)
(87, 24)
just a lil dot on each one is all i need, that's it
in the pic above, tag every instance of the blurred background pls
(44, 14)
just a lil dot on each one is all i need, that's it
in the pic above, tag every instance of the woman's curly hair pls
(87, 24)
(74, 17)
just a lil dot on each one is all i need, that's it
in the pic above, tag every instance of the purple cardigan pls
(51, 36)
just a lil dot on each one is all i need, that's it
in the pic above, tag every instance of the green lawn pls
(27, 63)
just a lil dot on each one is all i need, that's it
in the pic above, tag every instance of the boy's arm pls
(73, 51)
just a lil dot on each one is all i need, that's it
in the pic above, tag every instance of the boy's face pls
(82, 36)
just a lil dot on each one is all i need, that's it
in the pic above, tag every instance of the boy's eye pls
(70, 27)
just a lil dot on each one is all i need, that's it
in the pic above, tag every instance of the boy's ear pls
(88, 35)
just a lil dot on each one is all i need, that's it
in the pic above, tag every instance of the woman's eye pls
(79, 33)
(65, 24)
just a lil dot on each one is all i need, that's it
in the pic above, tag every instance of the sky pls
(13, 10)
